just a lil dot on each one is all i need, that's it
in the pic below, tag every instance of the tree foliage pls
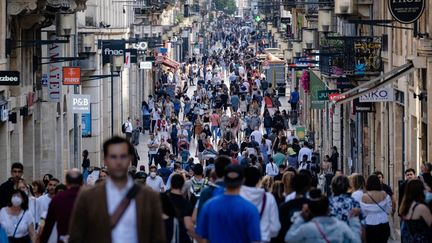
(226, 6)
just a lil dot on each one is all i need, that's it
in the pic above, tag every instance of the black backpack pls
(124, 126)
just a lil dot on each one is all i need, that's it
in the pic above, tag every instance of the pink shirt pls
(214, 120)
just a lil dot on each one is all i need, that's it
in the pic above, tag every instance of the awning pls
(171, 63)
(375, 83)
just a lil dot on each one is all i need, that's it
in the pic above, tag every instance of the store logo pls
(406, 11)
(80, 103)
(9, 78)
(109, 52)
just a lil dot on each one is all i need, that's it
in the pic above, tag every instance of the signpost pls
(406, 11)
(9, 78)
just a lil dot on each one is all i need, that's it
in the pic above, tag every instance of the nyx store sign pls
(9, 78)
(112, 48)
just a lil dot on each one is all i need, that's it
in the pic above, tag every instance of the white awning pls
(375, 83)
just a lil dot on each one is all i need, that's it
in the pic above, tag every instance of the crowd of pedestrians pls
(249, 178)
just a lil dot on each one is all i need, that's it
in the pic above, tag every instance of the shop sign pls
(301, 133)
(362, 107)
(133, 55)
(344, 84)
(127, 60)
(80, 103)
(112, 48)
(71, 76)
(325, 94)
(316, 84)
(146, 65)
(383, 94)
(406, 11)
(55, 73)
(285, 20)
(9, 78)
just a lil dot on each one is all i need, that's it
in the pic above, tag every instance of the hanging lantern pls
(297, 48)
(325, 19)
(345, 6)
(310, 37)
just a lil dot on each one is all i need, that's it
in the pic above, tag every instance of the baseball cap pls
(234, 176)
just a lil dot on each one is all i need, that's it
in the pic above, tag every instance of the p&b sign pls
(80, 103)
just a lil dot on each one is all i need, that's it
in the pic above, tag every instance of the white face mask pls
(16, 201)
(152, 174)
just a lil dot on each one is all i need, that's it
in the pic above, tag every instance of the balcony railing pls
(351, 56)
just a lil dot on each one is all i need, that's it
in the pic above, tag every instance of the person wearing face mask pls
(154, 181)
(7, 187)
(16, 220)
(22, 186)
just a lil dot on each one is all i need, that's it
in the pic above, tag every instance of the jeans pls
(151, 158)
(174, 147)
(268, 130)
(214, 130)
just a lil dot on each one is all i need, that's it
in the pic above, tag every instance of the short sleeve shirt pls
(9, 222)
(218, 222)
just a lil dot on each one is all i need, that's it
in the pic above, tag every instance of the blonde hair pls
(287, 181)
(267, 183)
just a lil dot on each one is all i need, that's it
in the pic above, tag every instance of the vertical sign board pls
(55, 73)
(406, 11)
(316, 84)
(86, 125)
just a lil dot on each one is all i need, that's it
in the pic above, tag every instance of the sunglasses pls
(118, 157)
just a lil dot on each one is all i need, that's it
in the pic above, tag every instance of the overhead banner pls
(80, 103)
(112, 48)
(384, 94)
(9, 78)
(55, 73)
(71, 76)
(406, 11)
(316, 85)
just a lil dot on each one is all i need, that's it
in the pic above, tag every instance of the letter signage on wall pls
(55, 73)
(406, 11)
(9, 78)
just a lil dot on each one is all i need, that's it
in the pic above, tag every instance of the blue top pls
(294, 97)
(229, 218)
(235, 100)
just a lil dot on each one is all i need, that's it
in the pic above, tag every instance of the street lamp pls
(325, 19)
(116, 66)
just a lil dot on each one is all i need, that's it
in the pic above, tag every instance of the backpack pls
(264, 85)
(124, 126)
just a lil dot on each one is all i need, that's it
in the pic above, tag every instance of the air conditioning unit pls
(345, 7)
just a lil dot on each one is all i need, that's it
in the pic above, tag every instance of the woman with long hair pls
(376, 207)
(357, 184)
(267, 183)
(287, 179)
(416, 216)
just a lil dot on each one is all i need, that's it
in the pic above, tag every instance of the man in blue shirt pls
(219, 222)
(294, 99)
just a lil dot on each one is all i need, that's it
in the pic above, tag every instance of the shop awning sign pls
(9, 78)
(383, 94)
(406, 11)
(325, 94)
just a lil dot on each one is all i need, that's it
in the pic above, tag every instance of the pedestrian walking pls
(117, 210)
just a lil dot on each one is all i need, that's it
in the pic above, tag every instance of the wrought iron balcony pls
(16, 7)
(351, 56)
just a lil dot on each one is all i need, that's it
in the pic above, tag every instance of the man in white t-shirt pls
(257, 135)
(129, 128)
(305, 150)
(153, 146)
(42, 202)
(154, 181)
(182, 134)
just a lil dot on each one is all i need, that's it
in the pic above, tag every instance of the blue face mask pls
(428, 197)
